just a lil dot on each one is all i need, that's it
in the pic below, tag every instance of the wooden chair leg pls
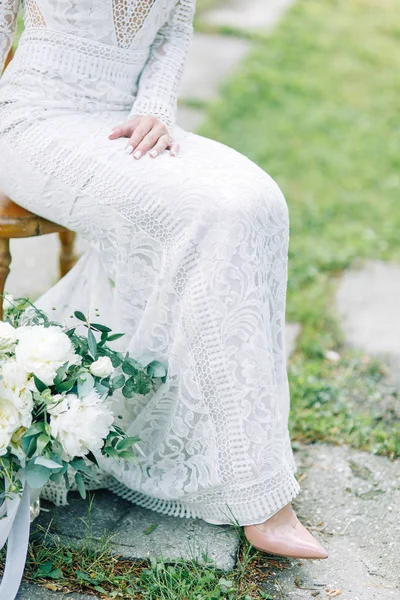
(67, 253)
(5, 260)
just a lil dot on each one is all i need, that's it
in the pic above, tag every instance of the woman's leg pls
(197, 248)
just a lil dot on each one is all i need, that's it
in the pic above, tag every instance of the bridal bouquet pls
(56, 411)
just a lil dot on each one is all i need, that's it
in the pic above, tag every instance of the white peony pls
(9, 416)
(82, 425)
(13, 376)
(102, 367)
(8, 336)
(15, 443)
(14, 388)
(58, 404)
(5, 439)
(41, 350)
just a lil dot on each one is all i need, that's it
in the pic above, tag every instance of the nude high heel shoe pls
(284, 535)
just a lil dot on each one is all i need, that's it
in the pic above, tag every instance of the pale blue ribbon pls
(14, 529)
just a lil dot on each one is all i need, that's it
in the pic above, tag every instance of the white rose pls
(8, 336)
(102, 367)
(82, 425)
(42, 350)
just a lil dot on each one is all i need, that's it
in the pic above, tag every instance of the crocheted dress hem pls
(249, 513)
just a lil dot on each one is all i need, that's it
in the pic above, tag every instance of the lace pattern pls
(157, 31)
(188, 256)
(8, 24)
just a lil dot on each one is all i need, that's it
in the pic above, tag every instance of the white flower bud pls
(102, 367)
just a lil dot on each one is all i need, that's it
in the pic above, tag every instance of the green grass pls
(316, 105)
(91, 567)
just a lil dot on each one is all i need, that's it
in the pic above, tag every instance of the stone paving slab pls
(29, 591)
(354, 497)
(368, 302)
(211, 59)
(252, 15)
(139, 533)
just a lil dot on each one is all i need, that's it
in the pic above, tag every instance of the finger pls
(161, 145)
(138, 135)
(174, 148)
(123, 130)
(148, 142)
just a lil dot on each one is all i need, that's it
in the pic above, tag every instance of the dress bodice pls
(152, 35)
(122, 23)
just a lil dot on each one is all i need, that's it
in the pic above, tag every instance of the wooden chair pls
(16, 222)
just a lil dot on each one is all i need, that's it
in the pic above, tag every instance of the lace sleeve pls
(161, 76)
(8, 24)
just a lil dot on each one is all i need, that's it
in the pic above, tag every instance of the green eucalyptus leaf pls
(109, 451)
(92, 343)
(100, 327)
(102, 390)
(118, 381)
(129, 368)
(67, 481)
(80, 465)
(156, 369)
(90, 456)
(85, 384)
(35, 428)
(60, 373)
(127, 455)
(36, 475)
(66, 385)
(47, 462)
(115, 336)
(127, 442)
(81, 485)
(39, 384)
(128, 391)
(79, 315)
(41, 442)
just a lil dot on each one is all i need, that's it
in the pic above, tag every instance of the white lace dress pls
(188, 255)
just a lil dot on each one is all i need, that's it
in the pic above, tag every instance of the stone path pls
(350, 500)
(368, 301)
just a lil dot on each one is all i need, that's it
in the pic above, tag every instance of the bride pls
(188, 255)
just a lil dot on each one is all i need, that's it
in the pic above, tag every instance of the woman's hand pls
(145, 132)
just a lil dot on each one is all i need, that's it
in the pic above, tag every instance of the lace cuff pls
(156, 107)
(161, 76)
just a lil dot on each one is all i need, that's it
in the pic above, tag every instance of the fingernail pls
(172, 153)
(153, 153)
(137, 154)
(129, 149)
(111, 132)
